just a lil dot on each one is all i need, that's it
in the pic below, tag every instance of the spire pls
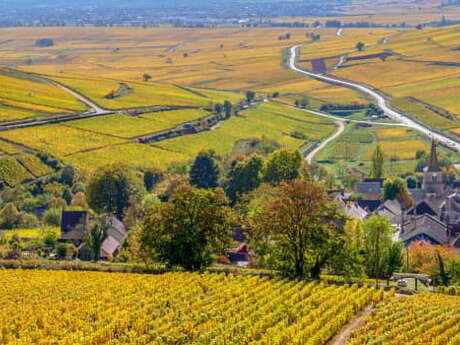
(433, 164)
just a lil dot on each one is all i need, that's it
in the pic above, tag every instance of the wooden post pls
(416, 284)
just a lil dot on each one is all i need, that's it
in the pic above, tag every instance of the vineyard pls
(422, 319)
(62, 307)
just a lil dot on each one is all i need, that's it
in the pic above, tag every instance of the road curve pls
(341, 128)
(380, 101)
(94, 108)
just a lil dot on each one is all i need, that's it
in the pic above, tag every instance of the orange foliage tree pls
(422, 256)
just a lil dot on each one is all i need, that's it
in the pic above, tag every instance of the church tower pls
(433, 180)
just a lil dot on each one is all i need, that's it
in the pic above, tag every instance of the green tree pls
(187, 230)
(9, 216)
(377, 245)
(151, 178)
(360, 46)
(228, 109)
(52, 217)
(109, 190)
(67, 196)
(68, 175)
(395, 188)
(282, 165)
(218, 108)
(395, 258)
(299, 225)
(204, 172)
(146, 77)
(96, 235)
(244, 177)
(378, 160)
(444, 275)
(250, 95)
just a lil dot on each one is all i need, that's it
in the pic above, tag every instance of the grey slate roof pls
(367, 188)
(424, 225)
(116, 235)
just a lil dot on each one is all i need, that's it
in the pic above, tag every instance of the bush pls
(29, 221)
(52, 217)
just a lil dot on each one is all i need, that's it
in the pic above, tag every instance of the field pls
(423, 68)
(92, 143)
(271, 120)
(19, 168)
(422, 319)
(23, 96)
(29, 233)
(59, 140)
(125, 126)
(355, 147)
(76, 308)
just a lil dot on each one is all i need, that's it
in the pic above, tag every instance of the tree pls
(244, 177)
(67, 196)
(52, 217)
(377, 245)
(204, 172)
(360, 46)
(9, 216)
(96, 235)
(109, 190)
(79, 200)
(68, 175)
(395, 188)
(228, 109)
(300, 225)
(187, 230)
(250, 95)
(282, 165)
(378, 160)
(218, 108)
(146, 77)
(151, 178)
(443, 274)
(395, 258)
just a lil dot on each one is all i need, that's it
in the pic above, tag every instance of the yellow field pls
(421, 68)
(76, 308)
(22, 96)
(392, 133)
(125, 126)
(402, 149)
(59, 140)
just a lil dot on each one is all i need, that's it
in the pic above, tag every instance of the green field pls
(126, 126)
(271, 120)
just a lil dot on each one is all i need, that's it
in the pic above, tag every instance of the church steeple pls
(433, 164)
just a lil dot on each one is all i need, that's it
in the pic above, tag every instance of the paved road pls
(94, 108)
(341, 128)
(380, 101)
(337, 118)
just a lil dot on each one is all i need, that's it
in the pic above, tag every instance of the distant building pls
(75, 224)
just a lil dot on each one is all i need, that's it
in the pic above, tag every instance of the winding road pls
(94, 108)
(380, 101)
(341, 128)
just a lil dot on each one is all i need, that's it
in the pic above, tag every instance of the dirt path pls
(344, 335)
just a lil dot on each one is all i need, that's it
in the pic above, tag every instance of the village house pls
(74, 226)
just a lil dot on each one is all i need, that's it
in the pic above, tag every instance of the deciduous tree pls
(188, 229)
(204, 172)
(302, 226)
(109, 190)
(282, 165)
